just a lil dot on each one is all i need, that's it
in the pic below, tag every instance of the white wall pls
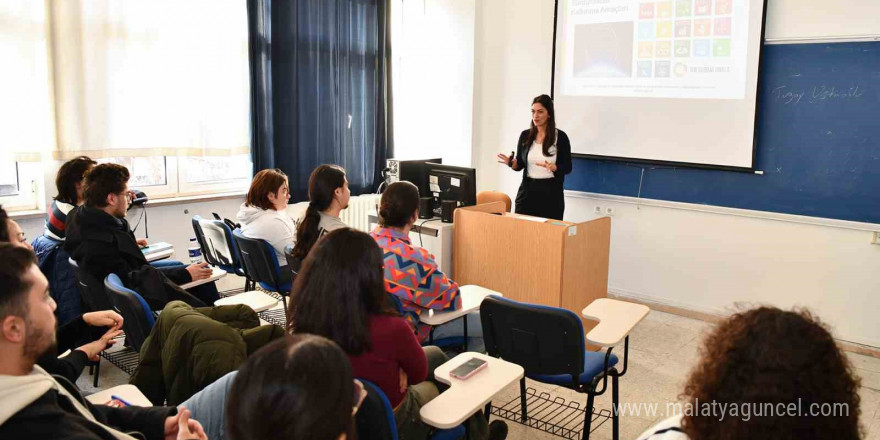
(433, 82)
(701, 261)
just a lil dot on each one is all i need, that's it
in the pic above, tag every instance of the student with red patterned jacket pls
(411, 274)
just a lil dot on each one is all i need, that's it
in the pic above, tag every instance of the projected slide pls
(663, 49)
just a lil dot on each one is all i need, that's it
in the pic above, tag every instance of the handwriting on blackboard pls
(816, 94)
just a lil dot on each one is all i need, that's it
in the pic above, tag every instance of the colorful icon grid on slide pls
(679, 30)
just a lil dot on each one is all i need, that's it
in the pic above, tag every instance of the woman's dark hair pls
(265, 182)
(103, 180)
(550, 133)
(322, 186)
(4, 226)
(399, 204)
(69, 175)
(341, 284)
(767, 358)
(297, 387)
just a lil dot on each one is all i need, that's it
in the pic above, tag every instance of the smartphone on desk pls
(468, 369)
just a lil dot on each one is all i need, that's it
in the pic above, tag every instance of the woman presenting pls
(544, 155)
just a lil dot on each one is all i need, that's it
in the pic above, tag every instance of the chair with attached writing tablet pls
(375, 418)
(261, 264)
(549, 343)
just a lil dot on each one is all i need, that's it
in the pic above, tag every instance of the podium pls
(530, 259)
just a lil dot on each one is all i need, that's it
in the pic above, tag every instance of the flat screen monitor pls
(447, 182)
(414, 171)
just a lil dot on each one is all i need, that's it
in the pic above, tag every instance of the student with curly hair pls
(768, 374)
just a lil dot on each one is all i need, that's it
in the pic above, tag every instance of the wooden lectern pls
(529, 259)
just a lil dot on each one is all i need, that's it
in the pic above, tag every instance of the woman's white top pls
(276, 227)
(536, 156)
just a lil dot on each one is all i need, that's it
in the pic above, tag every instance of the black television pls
(447, 182)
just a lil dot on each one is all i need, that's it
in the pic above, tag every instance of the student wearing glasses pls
(100, 240)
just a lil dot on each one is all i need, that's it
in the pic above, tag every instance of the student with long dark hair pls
(263, 215)
(340, 294)
(298, 387)
(757, 365)
(543, 154)
(328, 195)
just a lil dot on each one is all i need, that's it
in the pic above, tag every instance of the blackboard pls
(818, 143)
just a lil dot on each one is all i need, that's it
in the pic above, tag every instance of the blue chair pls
(375, 418)
(548, 342)
(138, 318)
(219, 248)
(261, 264)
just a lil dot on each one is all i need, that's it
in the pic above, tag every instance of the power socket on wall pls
(603, 212)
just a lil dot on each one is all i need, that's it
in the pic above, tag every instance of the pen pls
(121, 400)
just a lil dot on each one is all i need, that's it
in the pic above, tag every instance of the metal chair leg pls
(97, 372)
(522, 400)
(615, 416)
(588, 417)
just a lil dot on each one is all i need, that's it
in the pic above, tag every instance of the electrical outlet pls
(609, 211)
(597, 210)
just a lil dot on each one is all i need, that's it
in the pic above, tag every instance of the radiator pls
(358, 211)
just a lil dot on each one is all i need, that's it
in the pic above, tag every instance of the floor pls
(663, 348)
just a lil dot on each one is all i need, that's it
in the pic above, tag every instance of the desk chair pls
(375, 418)
(219, 248)
(261, 264)
(493, 196)
(548, 342)
(138, 318)
(293, 263)
(90, 290)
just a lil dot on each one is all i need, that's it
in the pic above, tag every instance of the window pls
(125, 81)
(169, 176)
(9, 179)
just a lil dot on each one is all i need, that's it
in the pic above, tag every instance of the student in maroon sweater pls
(340, 294)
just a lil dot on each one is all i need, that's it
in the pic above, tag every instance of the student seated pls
(38, 405)
(49, 246)
(419, 290)
(75, 335)
(11, 232)
(263, 215)
(101, 242)
(756, 367)
(351, 308)
(328, 196)
(297, 387)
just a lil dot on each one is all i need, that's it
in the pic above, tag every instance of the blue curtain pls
(320, 88)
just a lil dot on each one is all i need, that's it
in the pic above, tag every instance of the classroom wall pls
(433, 81)
(674, 254)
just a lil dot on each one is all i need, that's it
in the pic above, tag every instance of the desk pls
(436, 237)
(465, 397)
(129, 393)
(158, 251)
(471, 298)
(254, 299)
(216, 274)
(616, 319)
